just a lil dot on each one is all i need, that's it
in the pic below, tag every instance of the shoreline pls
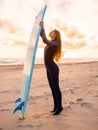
(40, 61)
(42, 64)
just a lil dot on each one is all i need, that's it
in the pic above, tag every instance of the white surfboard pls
(29, 63)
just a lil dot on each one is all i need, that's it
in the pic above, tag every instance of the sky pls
(76, 20)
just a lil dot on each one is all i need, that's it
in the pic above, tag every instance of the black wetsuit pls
(52, 69)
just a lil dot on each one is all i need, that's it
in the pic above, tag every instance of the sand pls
(79, 86)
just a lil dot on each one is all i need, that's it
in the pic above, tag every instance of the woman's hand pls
(41, 24)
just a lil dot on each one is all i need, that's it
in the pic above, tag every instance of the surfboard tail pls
(20, 107)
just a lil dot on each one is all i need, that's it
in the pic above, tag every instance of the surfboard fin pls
(18, 100)
(19, 107)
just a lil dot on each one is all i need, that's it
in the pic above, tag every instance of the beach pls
(79, 86)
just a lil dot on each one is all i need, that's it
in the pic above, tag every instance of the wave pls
(18, 61)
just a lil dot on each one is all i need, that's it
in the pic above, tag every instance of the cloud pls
(17, 17)
(65, 4)
(59, 3)
(71, 38)
(93, 43)
(12, 41)
(8, 26)
(95, 4)
(72, 46)
(16, 21)
(69, 31)
(96, 46)
(57, 9)
(1, 1)
(18, 42)
(11, 34)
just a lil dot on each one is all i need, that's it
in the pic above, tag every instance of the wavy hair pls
(58, 53)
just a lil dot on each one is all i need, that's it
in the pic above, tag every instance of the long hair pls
(58, 53)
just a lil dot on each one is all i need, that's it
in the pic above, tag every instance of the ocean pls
(20, 61)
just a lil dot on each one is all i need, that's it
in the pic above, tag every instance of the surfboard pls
(29, 63)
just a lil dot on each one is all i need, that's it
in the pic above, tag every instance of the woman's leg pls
(52, 89)
(55, 78)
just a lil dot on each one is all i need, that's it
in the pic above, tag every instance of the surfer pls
(52, 53)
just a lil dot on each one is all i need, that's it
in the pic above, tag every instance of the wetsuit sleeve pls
(45, 40)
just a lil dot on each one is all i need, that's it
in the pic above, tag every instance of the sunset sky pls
(77, 21)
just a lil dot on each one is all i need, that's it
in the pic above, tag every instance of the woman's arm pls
(43, 35)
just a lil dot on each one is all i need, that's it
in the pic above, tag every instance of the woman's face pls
(52, 35)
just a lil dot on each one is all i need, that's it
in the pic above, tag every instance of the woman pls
(52, 52)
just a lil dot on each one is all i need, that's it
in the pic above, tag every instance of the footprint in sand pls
(76, 87)
(96, 95)
(25, 126)
(86, 104)
(40, 124)
(4, 91)
(71, 91)
(17, 91)
(5, 109)
(36, 116)
(32, 103)
(79, 100)
(96, 76)
(45, 93)
(71, 103)
(69, 107)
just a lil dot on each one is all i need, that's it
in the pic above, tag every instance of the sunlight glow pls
(77, 21)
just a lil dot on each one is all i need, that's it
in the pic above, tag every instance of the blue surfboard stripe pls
(18, 100)
(19, 107)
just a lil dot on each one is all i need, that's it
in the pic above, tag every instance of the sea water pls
(20, 61)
